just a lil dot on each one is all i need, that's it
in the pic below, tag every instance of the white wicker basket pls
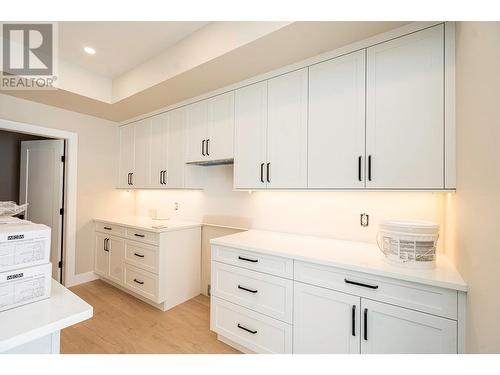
(409, 243)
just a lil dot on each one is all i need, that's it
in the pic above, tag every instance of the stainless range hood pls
(213, 162)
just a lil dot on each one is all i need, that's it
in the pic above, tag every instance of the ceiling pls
(120, 46)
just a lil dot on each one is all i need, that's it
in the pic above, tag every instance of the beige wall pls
(477, 250)
(97, 150)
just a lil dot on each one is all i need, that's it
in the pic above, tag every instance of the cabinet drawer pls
(141, 282)
(141, 255)
(269, 295)
(425, 298)
(254, 331)
(142, 235)
(254, 261)
(109, 228)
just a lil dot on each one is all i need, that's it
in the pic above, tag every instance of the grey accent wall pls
(10, 158)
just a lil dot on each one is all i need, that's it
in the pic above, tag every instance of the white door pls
(101, 255)
(250, 137)
(159, 150)
(287, 131)
(142, 154)
(41, 186)
(404, 118)
(220, 112)
(336, 138)
(127, 149)
(388, 329)
(196, 131)
(115, 248)
(175, 161)
(325, 321)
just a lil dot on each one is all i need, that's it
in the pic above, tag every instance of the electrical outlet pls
(176, 206)
(364, 220)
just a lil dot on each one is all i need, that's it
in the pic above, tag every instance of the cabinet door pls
(220, 111)
(126, 154)
(388, 329)
(404, 119)
(325, 321)
(101, 255)
(250, 136)
(196, 131)
(287, 131)
(142, 153)
(116, 247)
(159, 150)
(336, 141)
(175, 145)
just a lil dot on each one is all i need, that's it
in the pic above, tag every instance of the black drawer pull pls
(248, 259)
(246, 329)
(139, 255)
(354, 320)
(366, 325)
(247, 290)
(369, 167)
(138, 282)
(108, 228)
(359, 168)
(139, 235)
(361, 284)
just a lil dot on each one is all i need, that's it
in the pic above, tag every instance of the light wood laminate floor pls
(124, 324)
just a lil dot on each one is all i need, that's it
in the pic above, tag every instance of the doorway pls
(35, 165)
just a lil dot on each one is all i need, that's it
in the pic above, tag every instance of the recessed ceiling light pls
(89, 50)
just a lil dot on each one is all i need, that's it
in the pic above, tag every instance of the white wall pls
(476, 206)
(97, 150)
(328, 214)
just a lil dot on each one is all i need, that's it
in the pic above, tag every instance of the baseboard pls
(82, 278)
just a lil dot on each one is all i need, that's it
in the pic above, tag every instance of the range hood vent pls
(213, 162)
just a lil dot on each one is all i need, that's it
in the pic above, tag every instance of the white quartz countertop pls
(348, 255)
(26, 323)
(148, 224)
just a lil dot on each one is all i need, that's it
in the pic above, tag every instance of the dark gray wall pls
(10, 159)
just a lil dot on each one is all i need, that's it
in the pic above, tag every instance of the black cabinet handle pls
(203, 147)
(359, 168)
(139, 235)
(139, 255)
(165, 177)
(246, 329)
(132, 178)
(108, 228)
(208, 147)
(138, 281)
(366, 325)
(106, 241)
(248, 259)
(369, 167)
(161, 177)
(128, 179)
(268, 172)
(247, 290)
(354, 320)
(361, 284)
(262, 172)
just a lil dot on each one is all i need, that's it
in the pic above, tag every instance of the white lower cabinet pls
(390, 329)
(325, 321)
(259, 299)
(109, 257)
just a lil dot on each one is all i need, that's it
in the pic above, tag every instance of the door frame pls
(70, 186)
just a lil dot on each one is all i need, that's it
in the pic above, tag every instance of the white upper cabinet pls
(174, 171)
(196, 131)
(126, 167)
(250, 140)
(405, 107)
(210, 127)
(142, 154)
(286, 165)
(159, 150)
(220, 127)
(325, 321)
(388, 329)
(336, 142)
